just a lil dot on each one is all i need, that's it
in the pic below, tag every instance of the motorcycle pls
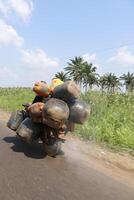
(29, 131)
(51, 138)
(48, 122)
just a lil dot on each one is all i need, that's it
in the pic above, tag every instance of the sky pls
(39, 37)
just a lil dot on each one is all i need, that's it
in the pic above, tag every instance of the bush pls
(12, 98)
(111, 120)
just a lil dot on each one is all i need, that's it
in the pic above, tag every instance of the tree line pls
(84, 74)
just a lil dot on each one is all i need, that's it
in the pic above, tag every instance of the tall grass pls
(12, 98)
(111, 120)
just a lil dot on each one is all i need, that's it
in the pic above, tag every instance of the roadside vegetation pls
(111, 121)
(111, 99)
(112, 104)
(12, 98)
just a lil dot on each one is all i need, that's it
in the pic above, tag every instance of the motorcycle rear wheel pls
(52, 147)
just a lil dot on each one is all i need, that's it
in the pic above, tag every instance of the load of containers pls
(62, 107)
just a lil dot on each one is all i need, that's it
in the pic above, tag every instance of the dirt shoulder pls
(123, 161)
(4, 116)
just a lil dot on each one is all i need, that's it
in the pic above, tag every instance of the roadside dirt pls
(118, 165)
(4, 116)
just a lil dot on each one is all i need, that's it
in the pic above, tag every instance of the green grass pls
(12, 98)
(111, 120)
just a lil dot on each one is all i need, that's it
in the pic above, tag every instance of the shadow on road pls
(34, 150)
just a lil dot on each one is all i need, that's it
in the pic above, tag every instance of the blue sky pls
(37, 38)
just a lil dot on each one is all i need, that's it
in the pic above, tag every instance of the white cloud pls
(8, 35)
(89, 57)
(39, 65)
(38, 59)
(6, 73)
(4, 8)
(23, 8)
(92, 58)
(8, 77)
(123, 57)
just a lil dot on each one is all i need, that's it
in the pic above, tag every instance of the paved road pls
(27, 174)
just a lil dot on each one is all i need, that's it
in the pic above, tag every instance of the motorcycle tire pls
(52, 147)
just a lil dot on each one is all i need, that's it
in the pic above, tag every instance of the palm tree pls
(103, 82)
(62, 76)
(111, 82)
(82, 72)
(133, 84)
(90, 81)
(75, 68)
(115, 83)
(128, 81)
(89, 75)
